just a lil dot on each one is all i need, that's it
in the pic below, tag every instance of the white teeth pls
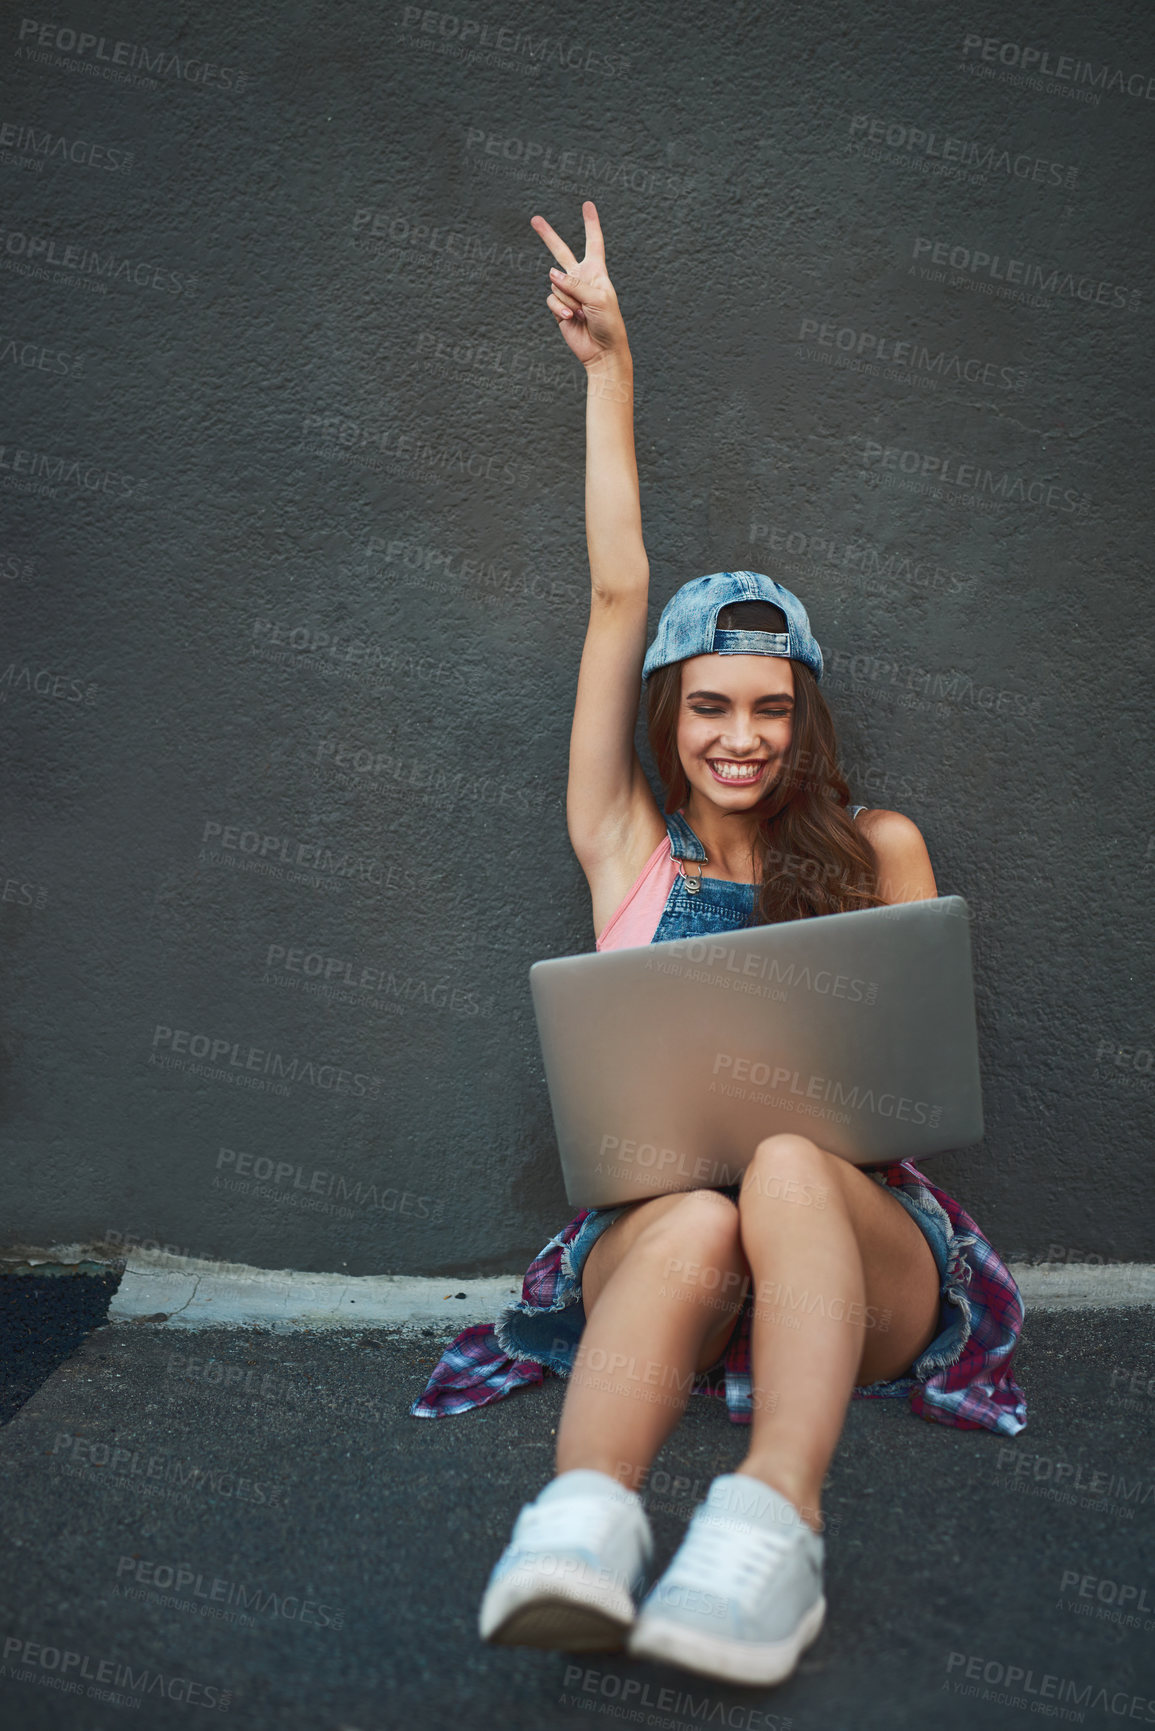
(732, 772)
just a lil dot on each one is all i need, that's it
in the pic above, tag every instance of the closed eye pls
(777, 714)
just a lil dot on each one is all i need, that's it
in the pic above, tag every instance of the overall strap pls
(684, 844)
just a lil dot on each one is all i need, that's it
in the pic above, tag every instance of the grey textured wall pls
(294, 567)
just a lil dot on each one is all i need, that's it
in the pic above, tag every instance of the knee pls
(699, 1231)
(789, 1168)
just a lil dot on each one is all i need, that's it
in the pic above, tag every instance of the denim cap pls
(688, 625)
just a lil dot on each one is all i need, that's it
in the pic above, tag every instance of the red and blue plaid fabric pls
(976, 1392)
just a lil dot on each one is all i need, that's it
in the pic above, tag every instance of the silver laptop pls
(668, 1063)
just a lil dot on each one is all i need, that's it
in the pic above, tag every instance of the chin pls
(750, 796)
(753, 791)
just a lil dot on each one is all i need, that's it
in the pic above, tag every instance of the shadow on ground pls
(44, 1316)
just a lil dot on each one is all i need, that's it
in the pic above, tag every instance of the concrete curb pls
(262, 1298)
(1085, 1285)
(183, 1292)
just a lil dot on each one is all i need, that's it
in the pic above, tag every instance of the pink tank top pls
(635, 920)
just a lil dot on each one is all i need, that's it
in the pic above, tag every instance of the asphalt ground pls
(280, 1545)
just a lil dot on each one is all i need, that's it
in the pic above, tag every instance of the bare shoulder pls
(887, 828)
(904, 868)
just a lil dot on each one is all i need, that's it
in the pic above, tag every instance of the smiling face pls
(735, 722)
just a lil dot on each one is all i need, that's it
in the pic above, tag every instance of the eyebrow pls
(721, 697)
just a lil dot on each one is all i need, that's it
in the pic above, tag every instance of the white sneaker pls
(743, 1595)
(570, 1573)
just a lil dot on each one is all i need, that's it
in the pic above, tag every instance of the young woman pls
(811, 1281)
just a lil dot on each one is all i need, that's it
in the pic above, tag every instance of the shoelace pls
(584, 1525)
(718, 1557)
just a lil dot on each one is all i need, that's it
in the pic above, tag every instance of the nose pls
(741, 738)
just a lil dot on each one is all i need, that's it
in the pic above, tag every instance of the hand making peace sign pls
(583, 300)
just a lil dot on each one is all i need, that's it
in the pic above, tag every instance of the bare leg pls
(649, 1328)
(846, 1292)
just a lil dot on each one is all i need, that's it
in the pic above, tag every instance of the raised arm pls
(612, 816)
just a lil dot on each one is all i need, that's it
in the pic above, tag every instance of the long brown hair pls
(814, 858)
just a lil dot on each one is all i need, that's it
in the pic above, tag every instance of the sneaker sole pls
(523, 1611)
(654, 1637)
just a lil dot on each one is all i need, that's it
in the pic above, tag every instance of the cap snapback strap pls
(752, 643)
